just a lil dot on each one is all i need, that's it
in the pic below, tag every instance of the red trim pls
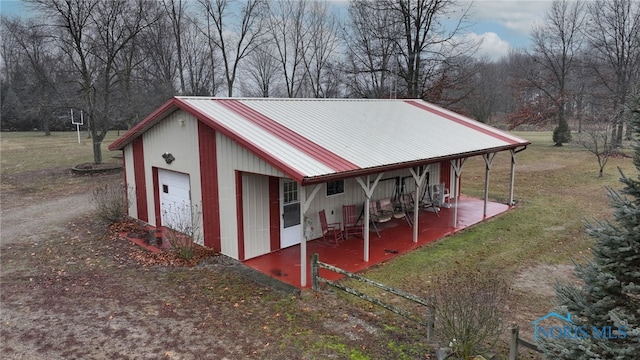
(289, 136)
(239, 215)
(177, 103)
(209, 187)
(214, 124)
(142, 126)
(445, 173)
(274, 213)
(156, 197)
(139, 179)
(468, 123)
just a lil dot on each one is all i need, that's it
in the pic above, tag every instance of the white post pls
(457, 169)
(305, 202)
(513, 175)
(368, 192)
(419, 179)
(303, 241)
(488, 160)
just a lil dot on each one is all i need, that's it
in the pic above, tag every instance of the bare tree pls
(36, 46)
(94, 34)
(371, 51)
(175, 10)
(322, 43)
(421, 43)
(556, 44)
(614, 37)
(287, 31)
(262, 71)
(595, 138)
(235, 45)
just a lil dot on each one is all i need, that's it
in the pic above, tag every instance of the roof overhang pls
(215, 113)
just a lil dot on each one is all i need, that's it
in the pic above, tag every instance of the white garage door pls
(175, 200)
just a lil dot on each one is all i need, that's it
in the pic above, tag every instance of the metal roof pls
(313, 140)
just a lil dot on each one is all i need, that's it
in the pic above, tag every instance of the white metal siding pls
(232, 157)
(255, 206)
(353, 194)
(176, 134)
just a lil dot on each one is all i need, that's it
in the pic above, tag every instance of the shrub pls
(469, 308)
(562, 133)
(183, 223)
(111, 202)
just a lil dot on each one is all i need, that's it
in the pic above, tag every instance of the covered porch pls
(396, 239)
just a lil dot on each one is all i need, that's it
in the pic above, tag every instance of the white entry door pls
(290, 227)
(175, 200)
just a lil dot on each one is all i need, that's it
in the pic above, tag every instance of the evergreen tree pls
(562, 133)
(610, 295)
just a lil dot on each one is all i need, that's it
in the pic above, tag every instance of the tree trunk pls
(97, 151)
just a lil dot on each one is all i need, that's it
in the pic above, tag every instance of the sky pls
(505, 24)
(500, 24)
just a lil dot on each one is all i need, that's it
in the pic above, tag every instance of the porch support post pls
(305, 202)
(457, 166)
(513, 176)
(419, 179)
(488, 161)
(368, 192)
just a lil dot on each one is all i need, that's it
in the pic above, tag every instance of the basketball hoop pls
(77, 124)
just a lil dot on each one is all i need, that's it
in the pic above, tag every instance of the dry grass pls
(34, 164)
(557, 188)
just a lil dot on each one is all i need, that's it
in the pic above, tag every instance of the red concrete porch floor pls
(396, 239)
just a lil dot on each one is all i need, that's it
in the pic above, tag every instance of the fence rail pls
(316, 279)
(316, 265)
(515, 341)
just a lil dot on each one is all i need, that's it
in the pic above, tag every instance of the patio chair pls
(331, 232)
(350, 220)
(373, 216)
(440, 195)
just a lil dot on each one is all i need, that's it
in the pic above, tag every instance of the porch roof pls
(317, 140)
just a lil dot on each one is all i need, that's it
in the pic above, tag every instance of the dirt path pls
(69, 290)
(41, 217)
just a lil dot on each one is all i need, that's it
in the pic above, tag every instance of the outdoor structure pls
(255, 173)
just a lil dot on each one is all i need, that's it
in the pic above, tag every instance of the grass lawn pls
(34, 164)
(556, 189)
(31, 151)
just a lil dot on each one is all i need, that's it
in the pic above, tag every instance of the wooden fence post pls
(513, 342)
(315, 284)
(431, 318)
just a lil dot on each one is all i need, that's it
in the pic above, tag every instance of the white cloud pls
(491, 45)
(514, 15)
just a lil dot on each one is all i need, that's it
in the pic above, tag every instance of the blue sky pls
(501, 24)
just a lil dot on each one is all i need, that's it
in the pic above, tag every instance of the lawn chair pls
(350, 220)
(331, 232)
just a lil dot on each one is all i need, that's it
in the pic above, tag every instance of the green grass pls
(557, 188)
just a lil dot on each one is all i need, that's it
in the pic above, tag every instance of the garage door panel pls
(175, 199)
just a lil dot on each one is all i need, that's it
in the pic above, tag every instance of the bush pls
(562, 133)
(469, 308)
(111, 202)
(183, 227)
